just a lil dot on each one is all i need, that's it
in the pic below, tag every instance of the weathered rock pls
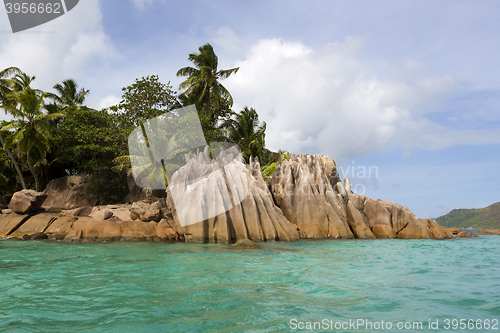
(76, 235)
(244, 244)
(39, 236)
(102, 215)
(452, 231)
(146, 211)
(81, 211)
(376, 213)
(224, 201)
(35, 224)
(358, 222)
(489, 232)
(414, 228)
(9, 223)
(27, 201)
(68, 193)
(102, 231)
(59, 228)
(436, 231)
(466, 234)
(383, 231)
(302, 188)
(7, 211)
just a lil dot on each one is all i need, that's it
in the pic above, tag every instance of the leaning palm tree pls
(6, 87)
(247, 132)
(31, 125)
(68, 94)
(203, 79)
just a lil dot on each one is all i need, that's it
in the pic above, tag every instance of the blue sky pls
(410, 88)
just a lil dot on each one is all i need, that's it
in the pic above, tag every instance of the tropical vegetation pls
(52, 134)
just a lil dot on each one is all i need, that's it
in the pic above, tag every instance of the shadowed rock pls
(68, 193)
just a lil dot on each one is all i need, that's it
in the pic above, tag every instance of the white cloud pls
(59, 49)
(141, 4)
(108, 101)
(226, 38)
(327, 101)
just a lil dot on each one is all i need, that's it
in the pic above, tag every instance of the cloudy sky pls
(404, 95)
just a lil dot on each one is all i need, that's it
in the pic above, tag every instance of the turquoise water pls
(148, 287)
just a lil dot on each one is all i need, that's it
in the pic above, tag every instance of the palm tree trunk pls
(19, 172)
(207, 104)
(37, 187)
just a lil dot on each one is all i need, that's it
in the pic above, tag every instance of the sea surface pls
(163, 287)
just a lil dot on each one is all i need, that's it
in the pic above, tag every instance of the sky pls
(403, 95)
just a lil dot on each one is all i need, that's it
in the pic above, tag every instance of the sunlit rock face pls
(304, 188)
(308, 190)
(223, 200)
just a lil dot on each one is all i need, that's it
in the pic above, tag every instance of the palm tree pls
(21, 81)
(68, 94)
(203, 79)
(31, 124)
(6, 86)
(247, 132)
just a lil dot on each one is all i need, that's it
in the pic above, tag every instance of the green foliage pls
(8, 177)
(88, 141)
(68, 94)
(269, 170)
(248, 133)
(144, 99)
(202, 84)
(31, 125)
(483, 218)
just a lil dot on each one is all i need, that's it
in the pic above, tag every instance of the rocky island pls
(303, 199)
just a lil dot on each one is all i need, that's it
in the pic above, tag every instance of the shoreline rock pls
(223, 200)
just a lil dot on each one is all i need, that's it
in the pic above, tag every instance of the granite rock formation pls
(68, 193)
(27, 201)
(308, 190)
(224, 200)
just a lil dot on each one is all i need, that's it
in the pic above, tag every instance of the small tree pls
(145, 99)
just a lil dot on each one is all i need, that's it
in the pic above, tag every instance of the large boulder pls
(466, 234)
(305, 188)
(27, 201)
(223, 200)
(104, 231)
(146, 211)
(68, 193)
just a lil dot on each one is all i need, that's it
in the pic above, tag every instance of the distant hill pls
(483, 218)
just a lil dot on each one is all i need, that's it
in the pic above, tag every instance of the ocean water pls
(160, 287)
